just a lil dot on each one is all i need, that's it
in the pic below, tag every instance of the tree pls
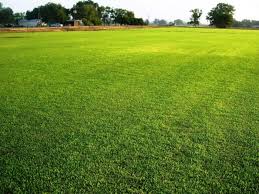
(6, 15)
(147, 22)
(137, 22)
(179, 22)
(123, 17)
(221, 16)
(159, 22)
(34, 14)
(195, 18)
(19, 16)
(49, 13)
(106, 15)
(87, 11)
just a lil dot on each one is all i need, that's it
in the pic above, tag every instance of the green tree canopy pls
(34, 14)
(195, 18)
(19, 16)
(179, 22)
(159, 22)
(88, 11)
(124, 17)
(119, 16)
(6, 15)
(107, 15)
(222, 15)
(245, 23)
(49, 13)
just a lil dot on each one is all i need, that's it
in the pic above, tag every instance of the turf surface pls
(168, 110)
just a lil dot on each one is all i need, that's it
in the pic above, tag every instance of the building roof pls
(33, 20)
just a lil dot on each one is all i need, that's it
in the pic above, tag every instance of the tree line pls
(91, 13)
(245, 23)
(221, 16)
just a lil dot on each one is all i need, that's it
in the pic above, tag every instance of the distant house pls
(30, 23)
(73, 23)
(255, 26)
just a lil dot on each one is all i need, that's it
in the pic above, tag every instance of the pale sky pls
(150, 9)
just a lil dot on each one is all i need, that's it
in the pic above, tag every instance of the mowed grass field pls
(170, 110)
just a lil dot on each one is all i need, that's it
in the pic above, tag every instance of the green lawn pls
(170, 110)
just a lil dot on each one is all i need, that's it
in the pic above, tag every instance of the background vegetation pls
(89, 12)
(92, 13)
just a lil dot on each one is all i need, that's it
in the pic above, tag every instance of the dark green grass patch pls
(132, 111)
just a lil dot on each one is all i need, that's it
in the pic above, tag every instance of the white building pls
(29, 23)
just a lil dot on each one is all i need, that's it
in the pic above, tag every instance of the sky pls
(151, 9)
